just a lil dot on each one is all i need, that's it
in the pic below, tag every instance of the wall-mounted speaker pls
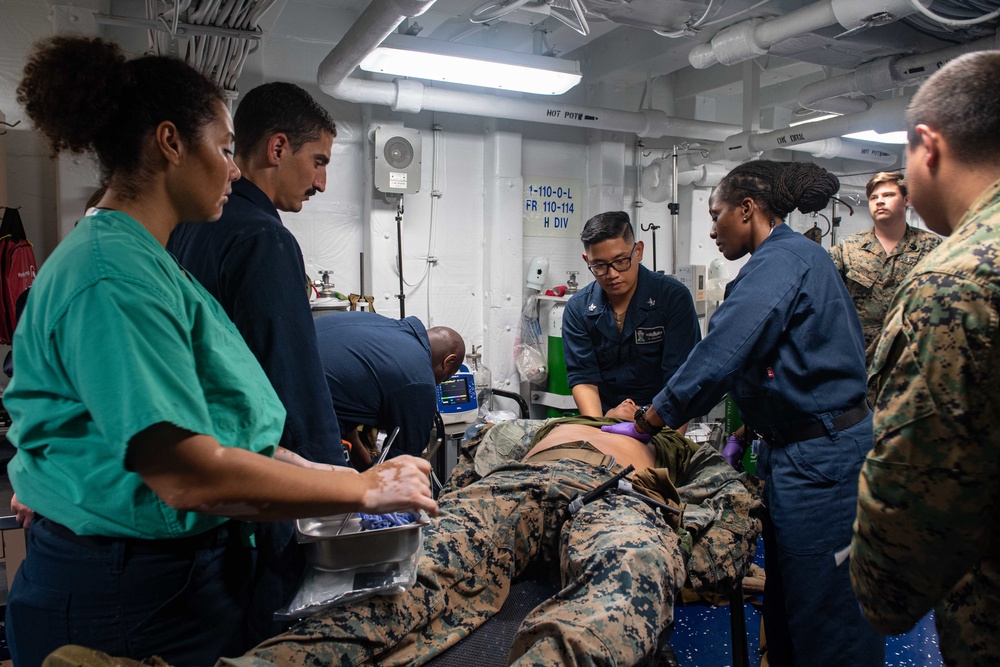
(397, 160)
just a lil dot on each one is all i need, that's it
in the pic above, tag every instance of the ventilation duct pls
(750, 39)
(884, 116)
(880, 76)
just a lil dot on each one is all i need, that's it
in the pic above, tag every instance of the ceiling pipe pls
(750, 39)
(880, 76)
(376, 22)
(412, 96)
(656, 185)
(381, 17)
(852, 150)
(884, 116)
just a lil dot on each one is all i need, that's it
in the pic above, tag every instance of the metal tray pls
(353, 547)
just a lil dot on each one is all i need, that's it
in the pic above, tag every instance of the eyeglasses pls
(624, 264)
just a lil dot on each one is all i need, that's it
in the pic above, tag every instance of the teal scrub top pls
(116, 338)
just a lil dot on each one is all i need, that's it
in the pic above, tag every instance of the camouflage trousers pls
(620, 566)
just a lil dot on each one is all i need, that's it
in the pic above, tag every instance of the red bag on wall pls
(17, 270)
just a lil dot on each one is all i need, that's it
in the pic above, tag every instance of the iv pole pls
(399, 250)
(651, 226)
(675, 211)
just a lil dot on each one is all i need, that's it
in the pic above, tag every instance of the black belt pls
(817, 429)
(211, 539)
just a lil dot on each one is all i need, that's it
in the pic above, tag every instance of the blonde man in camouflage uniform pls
(873, 262)
(926, 532)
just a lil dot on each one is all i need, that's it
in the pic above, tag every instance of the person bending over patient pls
(384, 372)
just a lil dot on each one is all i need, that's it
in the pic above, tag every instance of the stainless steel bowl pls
(325, 549)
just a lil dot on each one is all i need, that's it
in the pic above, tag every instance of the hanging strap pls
(12, 225)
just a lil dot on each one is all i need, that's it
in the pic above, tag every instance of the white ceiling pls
(621, 56)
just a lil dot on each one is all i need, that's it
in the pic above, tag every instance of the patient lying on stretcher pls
(627, 453)
(621, 561)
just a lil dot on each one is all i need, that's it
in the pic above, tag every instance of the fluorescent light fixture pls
(814, 120)
(422, 58)
(866, 135)
(872, 135)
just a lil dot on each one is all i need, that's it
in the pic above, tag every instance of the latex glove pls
(629, 429)
(733, 451)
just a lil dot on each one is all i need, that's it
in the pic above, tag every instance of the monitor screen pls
(454, 391)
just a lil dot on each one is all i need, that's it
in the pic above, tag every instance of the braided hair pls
(778, 188)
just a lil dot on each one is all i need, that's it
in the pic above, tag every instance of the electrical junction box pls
(692, 276)
(397, 160)
(456, 398)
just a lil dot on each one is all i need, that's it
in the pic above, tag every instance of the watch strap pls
(643, 425)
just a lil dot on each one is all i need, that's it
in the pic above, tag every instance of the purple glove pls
(733, 451)
(629, 429)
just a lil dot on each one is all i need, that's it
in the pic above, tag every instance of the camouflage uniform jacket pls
(619, 563)
(926, 532)
(722, 508)
(872, 276)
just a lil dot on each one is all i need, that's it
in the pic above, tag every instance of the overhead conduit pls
(750, 39)
(881, 76)
(707, 170)
(657, 186)
(381, 18)
(883, 116)
(851, 150)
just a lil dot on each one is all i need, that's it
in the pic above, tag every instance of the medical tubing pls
(579, 501)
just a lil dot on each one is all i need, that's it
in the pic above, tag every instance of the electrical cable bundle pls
(220, 57)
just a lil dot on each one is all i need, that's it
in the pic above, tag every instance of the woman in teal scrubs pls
(142, 421)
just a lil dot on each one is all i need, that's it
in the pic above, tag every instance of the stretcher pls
(722, 509)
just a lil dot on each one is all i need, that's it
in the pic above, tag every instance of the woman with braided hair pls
(787, 346)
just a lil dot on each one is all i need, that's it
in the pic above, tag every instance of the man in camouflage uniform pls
(926, 531)
(622, 563)
(873, 262)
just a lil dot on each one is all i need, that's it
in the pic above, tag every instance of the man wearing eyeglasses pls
(626, 333)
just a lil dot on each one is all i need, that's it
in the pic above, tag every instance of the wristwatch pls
(642, 425)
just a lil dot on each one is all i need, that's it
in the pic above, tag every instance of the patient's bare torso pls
(626, 450)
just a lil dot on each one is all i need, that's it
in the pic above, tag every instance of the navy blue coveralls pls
(253, 265)
(787, 346)
(380, 374)
(660, 329)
